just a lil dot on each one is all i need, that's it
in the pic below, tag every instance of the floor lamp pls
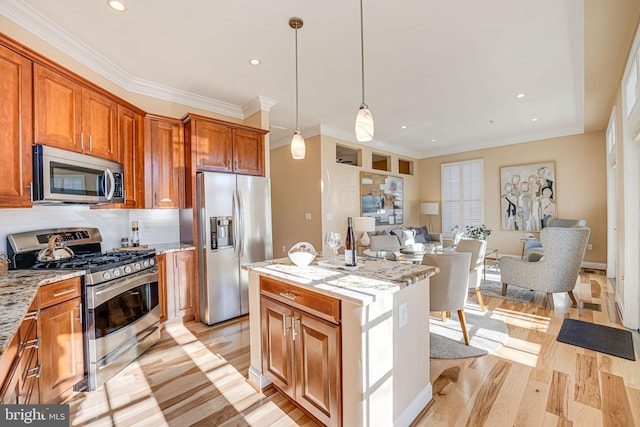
(429, 209)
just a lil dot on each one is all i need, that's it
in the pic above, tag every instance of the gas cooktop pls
(96, 261)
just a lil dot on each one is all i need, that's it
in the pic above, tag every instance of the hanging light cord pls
(297, 76)
(362, 48)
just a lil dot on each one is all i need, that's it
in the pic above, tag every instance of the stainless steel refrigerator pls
(234, 227)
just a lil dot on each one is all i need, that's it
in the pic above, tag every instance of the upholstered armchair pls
(449, 288)
(534, 245)
(477, 248)
(556, 270)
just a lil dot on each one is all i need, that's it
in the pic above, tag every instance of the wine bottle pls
(350, 245)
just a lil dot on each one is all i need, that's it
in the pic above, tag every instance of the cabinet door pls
(130, 154)
(317, 348)
(277, 345)
(99, 127)
(16, 129)
(248, 152)
(61, 350)
(10, 390)
(180, 276)
(162, 286)
(166, 163)
(58, 110)
(213, 147)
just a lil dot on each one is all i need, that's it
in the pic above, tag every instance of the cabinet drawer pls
(58, 292)
(319, 305)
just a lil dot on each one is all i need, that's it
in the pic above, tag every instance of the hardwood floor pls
(197, 376)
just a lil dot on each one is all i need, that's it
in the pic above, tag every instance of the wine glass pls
(334, 240)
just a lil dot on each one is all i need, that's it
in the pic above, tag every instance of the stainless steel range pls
(121, 311)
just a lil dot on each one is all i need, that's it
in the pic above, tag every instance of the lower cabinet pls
(301, 351)
(176, 274)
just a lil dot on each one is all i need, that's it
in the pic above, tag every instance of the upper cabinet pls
(16, 124)
(73, 117)
(164, 162)
(131, 155)
(218, 146)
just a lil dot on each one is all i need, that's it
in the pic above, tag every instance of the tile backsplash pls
(156, 225)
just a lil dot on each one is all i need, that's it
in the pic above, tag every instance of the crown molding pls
(38, 24)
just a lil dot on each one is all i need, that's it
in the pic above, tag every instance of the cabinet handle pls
(236, 167)
(284, 327)
(82, 141)
(68, 291)
(79, 318)
(155, 195)
(293, 327)
(288, 295)
(34, 343)
(34, 372)
(32, 315)
(90, 142)
(229, 164)
(29, 188)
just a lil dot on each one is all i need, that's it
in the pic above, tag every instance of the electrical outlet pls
(589, 247)
(402, 315)
(307, 216)
(284, 249)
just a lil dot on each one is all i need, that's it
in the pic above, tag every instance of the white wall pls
(156, 225)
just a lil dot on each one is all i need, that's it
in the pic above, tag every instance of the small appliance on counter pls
(121, 311)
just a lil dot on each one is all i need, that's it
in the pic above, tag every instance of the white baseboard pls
(414, 408)
(258, 379)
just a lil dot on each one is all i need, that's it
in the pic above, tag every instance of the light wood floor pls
(197, 376)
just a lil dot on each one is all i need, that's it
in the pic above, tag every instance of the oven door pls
(123, 321)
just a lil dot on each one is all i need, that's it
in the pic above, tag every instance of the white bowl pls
(302, 254)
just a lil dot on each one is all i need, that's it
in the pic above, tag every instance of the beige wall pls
(580, 176)
(295, 191)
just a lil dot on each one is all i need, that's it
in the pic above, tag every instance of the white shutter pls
(462, 194)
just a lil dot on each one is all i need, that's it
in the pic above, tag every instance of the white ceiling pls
(447, 70)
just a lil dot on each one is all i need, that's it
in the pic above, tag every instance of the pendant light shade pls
(298, 146)
(364, 119)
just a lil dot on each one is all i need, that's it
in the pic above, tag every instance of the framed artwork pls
(382, 198)
(527, 196)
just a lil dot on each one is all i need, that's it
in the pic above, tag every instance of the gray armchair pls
(556, 270)
(534, 245)
(448, 289)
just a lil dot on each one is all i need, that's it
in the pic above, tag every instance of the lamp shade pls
(364, 224)
(298, 147)
(429, 208)
(364, 124)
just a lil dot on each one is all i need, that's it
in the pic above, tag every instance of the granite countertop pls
(372, 279)
(163, 248)
(18, 288)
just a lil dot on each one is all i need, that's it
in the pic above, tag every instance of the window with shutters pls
(462, 194)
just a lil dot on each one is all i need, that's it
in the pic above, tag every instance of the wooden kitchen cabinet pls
(73, 117)
(61, 343)
(177, 277)
(163, 162)
(16, 129)
(301, 351)
(131, 155)
(218, 146)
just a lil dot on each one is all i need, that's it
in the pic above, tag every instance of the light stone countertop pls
(372, 280)
(163, 248)
(18, 288)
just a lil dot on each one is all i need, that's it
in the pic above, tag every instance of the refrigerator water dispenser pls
(221, 231)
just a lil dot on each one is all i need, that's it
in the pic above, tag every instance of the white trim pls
(414, 408)
(259, 103)
(257, 378)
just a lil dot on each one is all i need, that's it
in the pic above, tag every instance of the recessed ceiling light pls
(433, 140)
(535, 119)
(520, 95)
(117, 5)
(254, 62)
(403, 126)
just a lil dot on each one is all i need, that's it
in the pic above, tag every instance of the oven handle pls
(101, 293)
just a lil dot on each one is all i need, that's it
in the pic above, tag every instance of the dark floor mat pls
(605, 339)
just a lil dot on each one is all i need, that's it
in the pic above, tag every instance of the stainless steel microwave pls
(61, 176)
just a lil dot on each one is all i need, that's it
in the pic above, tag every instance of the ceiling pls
(440, 76)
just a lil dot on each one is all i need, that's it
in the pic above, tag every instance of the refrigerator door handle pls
(241, 227)
(236, 216)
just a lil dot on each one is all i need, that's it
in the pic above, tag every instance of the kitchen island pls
(351, 347)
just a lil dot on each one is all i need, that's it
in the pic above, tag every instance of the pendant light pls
(298, 147)
(364, 119)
